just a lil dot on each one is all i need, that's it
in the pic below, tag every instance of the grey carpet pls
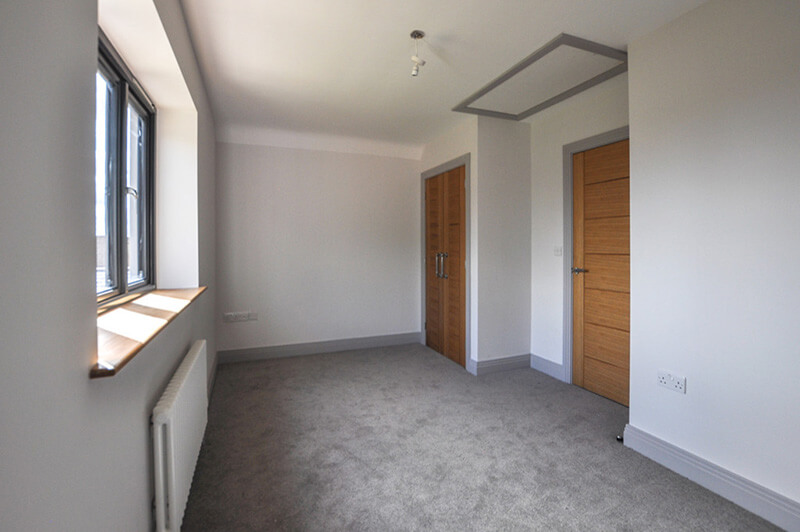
(403, 439)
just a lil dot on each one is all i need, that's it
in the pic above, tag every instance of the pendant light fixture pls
(418, 62)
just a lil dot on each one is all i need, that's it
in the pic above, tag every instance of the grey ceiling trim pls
(562, 40)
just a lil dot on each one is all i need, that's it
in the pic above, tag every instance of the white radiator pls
(179, 422)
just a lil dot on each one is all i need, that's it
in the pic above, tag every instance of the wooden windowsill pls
(125, 330)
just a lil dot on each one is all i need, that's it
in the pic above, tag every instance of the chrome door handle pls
(576, 271)
(444, 256)
(438, 256)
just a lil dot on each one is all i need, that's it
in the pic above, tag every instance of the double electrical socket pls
(676, 383)
(230, 317)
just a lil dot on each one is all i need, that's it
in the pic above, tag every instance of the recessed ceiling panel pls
(556, 72)
(560, 69)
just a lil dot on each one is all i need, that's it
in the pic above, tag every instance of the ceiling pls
(344, 68)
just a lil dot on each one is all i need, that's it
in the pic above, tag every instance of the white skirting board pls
(557, 371)
(762, 501)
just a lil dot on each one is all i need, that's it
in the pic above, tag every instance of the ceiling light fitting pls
(416, 59)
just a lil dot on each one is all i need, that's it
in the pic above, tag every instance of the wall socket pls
(676, 383)
(231, 317)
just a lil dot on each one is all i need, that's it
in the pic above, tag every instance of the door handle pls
(438, 256)
(444, 256)
(576, 271)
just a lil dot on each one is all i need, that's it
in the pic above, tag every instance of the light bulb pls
(415, 71)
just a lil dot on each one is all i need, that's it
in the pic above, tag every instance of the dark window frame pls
(127, 91)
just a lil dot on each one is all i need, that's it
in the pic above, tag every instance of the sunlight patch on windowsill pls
(157, 301)
(137, 327)
(124, 331)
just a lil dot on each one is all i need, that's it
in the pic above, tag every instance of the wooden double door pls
(445, 272)
(601, 271)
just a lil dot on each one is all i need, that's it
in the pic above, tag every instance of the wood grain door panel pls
(607, 162)
(434, 237)
(606, 345)
(445, 231)
(610, 309)
(607, 380)
(601, 289)
(607, 235)
(454, 271)
(608, 272)
(607, 199)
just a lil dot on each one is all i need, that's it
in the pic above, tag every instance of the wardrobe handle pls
(437, 264)
(444, 256)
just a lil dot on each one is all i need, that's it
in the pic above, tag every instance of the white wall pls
(176, 199)
(323, 245)
(504, 237)
(598, 110)
(75, 453)
(173, 19)
(459, 141)
(715, 296)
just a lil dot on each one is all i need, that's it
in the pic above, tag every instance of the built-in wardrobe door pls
(445, 269)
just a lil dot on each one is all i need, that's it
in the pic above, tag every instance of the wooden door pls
(445, 273)
(434, 244)
(601, 271)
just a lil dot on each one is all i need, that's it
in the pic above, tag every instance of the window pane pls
(134, 197)
(123, 180)
(102, 185)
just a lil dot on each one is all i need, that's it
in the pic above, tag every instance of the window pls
(124, 168)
